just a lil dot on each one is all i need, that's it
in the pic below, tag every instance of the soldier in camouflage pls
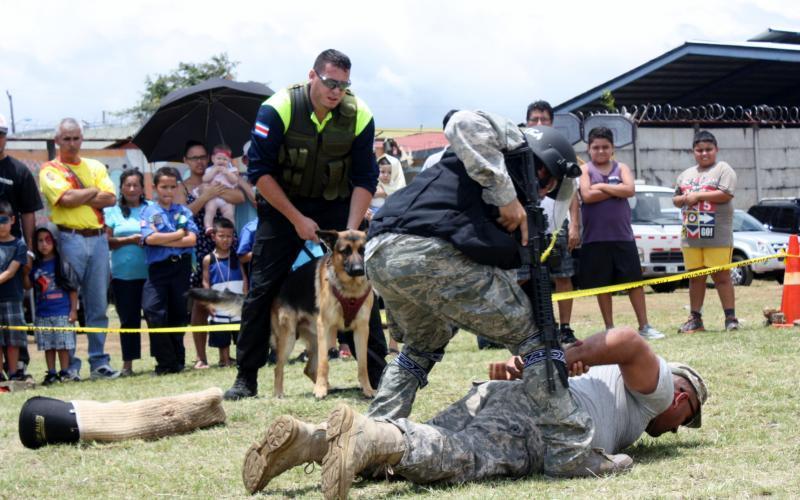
(429, 283)
(497, 430)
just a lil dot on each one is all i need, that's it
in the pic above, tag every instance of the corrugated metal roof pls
(696, 73)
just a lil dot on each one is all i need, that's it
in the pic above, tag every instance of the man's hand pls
(306, 229)
(73, 316)
(514, 367)
(574, 237)
(513, 216)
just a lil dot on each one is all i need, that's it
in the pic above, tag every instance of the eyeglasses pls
(333, 84)
(197, 158)
(5, 219)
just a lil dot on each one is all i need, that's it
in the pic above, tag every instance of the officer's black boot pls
(245, 386)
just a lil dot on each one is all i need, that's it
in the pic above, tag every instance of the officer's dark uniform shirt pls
(272, 122)
(165, 220)
(18, 187)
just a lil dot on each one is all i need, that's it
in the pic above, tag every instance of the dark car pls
(781, 215)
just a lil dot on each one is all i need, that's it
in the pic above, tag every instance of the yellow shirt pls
(54, 183)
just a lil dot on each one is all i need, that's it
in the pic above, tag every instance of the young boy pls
(220, 172)
(704, 193)
(169, 236)
(222, 271)
(13, 256)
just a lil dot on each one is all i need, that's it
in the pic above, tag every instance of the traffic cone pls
(790, 305)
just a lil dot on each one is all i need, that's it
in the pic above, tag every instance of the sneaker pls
(650, 333)
(51, 378)
(731, 323)
(567, 336)
(693, 324)
(104, 371)
(69, 376)
(241, 389)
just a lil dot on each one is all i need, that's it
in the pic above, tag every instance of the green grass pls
(749, 445)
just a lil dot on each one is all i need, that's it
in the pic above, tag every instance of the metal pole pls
(11, 107)
(755, 161)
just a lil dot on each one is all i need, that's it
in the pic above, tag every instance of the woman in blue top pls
(169, 235)
(128, 267)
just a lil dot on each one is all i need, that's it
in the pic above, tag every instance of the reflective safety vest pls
(317, 164)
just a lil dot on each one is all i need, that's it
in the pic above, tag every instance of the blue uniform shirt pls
(165, 220)
(247, 237)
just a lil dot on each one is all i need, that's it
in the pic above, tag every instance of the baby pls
(221, 172)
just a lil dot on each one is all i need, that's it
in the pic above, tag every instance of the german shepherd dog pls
(318, 299)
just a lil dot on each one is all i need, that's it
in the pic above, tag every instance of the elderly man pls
(77, 189)
(18, 187)
(493, 431)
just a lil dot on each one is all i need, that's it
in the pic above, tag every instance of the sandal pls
(200, 365)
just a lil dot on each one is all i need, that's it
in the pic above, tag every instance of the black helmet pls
(553, 150)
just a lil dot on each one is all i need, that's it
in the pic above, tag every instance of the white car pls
(657, 229)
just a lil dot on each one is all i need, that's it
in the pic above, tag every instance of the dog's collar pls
(350, 305)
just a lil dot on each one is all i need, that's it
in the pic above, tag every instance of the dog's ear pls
(329, 237)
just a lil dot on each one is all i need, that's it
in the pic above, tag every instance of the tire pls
(668, 287)
(741, 276)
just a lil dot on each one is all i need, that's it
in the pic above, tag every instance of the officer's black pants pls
(164, 304)
(275, 248)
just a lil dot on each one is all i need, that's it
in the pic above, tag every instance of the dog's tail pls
(224, 302)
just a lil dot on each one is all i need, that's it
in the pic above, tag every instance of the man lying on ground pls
(494, 430)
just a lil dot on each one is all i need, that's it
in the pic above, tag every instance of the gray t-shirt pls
(707, 224)
(620, 415)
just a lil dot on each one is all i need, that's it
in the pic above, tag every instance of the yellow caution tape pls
(665, 279)
(234, 327)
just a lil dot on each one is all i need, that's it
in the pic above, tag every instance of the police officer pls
(442, 252)
(168, 235)
(311, 160)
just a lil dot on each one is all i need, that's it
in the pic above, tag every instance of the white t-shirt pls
(620, 415)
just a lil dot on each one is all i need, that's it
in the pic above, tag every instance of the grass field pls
(749, 445)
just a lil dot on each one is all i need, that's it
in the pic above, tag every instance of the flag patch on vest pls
(261, 130)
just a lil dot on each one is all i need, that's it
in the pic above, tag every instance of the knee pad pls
(44, 421)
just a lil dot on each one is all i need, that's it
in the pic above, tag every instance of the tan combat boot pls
(596, 463)
(355, 442)
(287, 443)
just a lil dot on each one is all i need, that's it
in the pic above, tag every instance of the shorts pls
(565, 268)
(221, 339)
(11, 314)
(49, 340)
(698, 257)
(606, 263)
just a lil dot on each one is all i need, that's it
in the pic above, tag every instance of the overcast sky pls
(412, 60)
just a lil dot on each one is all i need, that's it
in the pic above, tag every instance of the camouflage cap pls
(697, 383)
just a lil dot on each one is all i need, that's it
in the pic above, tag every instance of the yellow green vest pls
(317, 164)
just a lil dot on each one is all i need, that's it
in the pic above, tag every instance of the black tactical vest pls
(317, 164)
(444, 202)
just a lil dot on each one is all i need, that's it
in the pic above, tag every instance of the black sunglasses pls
(333, 84)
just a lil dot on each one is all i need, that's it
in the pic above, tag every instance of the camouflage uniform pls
(429, 285)
(491, 432)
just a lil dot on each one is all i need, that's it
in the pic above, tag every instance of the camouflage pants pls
(489, 433)
(429, 285)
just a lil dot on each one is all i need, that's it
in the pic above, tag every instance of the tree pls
(608, 101)
(186, 75)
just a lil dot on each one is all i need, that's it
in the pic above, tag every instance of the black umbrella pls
(215, 111)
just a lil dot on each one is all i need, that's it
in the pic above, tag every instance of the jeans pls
(89, 257)
(128, 301)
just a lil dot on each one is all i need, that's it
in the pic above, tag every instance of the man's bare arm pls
(76, 197)
(624, 347)
(103, 200)
(358, 207)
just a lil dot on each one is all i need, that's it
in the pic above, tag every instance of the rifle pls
(534, 274)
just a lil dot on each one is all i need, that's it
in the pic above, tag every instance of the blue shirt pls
(50, 299)
(128, 261)
(11, 290)
(246, 237)
(154, 219)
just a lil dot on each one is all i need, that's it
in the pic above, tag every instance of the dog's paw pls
(320, 392)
